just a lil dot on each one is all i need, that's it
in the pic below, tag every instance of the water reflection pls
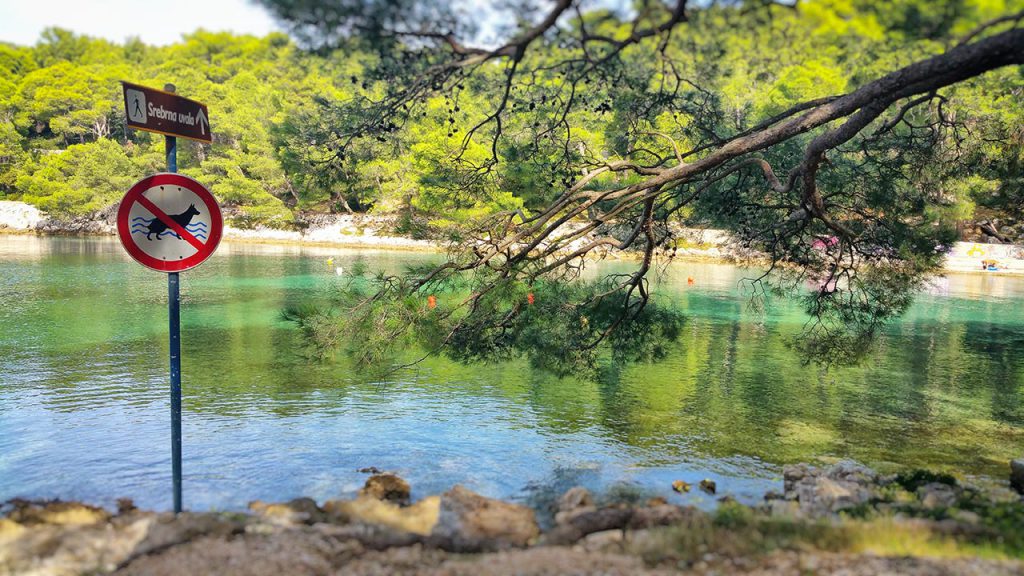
(83, 407)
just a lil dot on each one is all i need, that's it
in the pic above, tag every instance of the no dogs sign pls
(169, 222)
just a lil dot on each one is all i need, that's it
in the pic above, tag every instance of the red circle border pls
(173, 179)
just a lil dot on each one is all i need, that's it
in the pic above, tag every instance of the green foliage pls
(81, 179)
(65, 92)
(560, 327)
(914, 479)
(848, 313)
(736, 530)
(1002, 521)
(478, 145)
(732, 514)
(299, 131)
(12, 154)
(278, 113)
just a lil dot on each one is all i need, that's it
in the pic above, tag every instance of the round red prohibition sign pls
(169, 222)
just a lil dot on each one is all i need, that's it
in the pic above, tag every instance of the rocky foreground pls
(844, 519)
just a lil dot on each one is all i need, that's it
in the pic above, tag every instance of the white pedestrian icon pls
(136, 106)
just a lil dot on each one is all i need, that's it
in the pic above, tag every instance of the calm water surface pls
(84, 402)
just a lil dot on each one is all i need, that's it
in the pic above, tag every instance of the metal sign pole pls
(196, 231)
(174, 321)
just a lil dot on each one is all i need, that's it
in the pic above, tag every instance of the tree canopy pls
(843, 139)
(840, 138)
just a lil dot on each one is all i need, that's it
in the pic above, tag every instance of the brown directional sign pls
(162, 112)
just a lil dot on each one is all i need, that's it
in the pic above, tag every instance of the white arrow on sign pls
(201, 118)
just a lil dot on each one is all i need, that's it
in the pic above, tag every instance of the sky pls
(154, 21)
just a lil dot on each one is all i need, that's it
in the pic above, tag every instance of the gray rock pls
(167, 529)
(825, 492)
(575, 501)
(69, 549)
(783, 508)
(936, 495)
(588, 522)
(850, 471)
(795, 473)
(372, 536)
(659, 515)
(469, 522)
(599, 541)
(576, 497)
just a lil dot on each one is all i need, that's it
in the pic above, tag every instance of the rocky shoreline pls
(844, 518)
(379, 232)
(331, 230)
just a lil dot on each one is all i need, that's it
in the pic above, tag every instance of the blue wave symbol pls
(199, 235)
(142, 225)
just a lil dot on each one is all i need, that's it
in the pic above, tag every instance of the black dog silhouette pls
(184, 219)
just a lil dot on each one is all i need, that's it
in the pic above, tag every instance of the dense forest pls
(274, 106)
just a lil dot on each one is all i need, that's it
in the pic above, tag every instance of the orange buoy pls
(689, 280)
(431, 301)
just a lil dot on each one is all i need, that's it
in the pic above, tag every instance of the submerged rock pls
(708, 486)
(387, 487)
(469, 522)
(126, 505)
(681, 486)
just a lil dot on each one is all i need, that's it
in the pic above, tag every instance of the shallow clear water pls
(84, 404)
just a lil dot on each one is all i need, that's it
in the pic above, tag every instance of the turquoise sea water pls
(84, 402)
